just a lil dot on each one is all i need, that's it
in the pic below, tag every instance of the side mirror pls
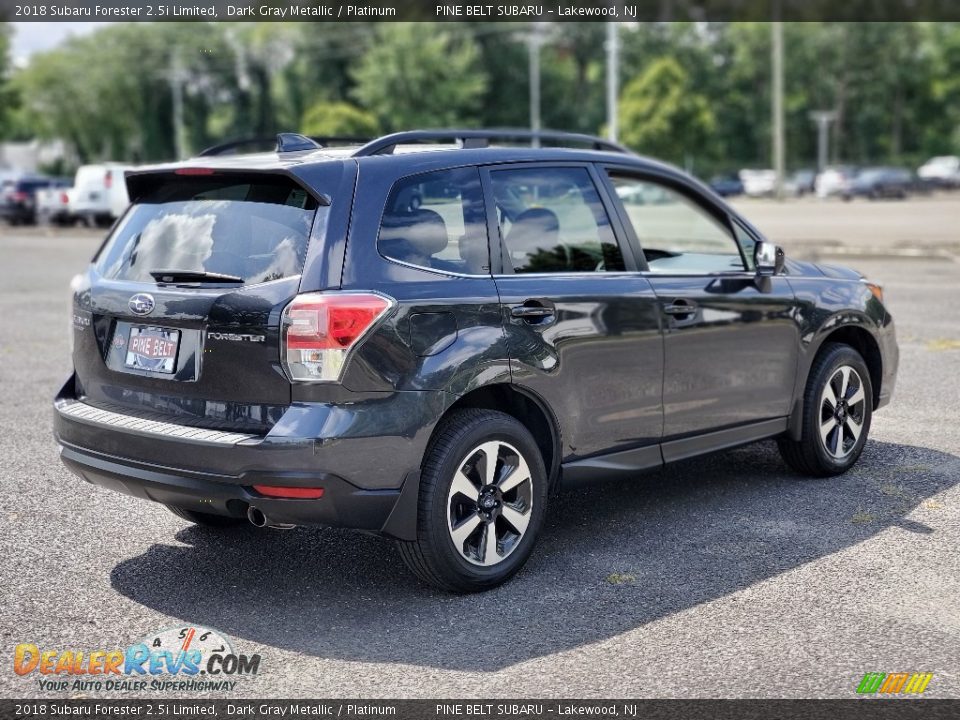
(769, 258)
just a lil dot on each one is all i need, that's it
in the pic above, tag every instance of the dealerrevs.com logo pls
(182, 659)
(894, 683)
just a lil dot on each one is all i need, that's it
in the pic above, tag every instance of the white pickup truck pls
(99, 194)
(53, 205)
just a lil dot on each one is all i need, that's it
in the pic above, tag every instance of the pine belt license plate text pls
(153, 349)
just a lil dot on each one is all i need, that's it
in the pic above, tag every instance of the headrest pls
(533, 228)
(424, 230)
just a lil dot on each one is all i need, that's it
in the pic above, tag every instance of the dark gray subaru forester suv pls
(424, 336)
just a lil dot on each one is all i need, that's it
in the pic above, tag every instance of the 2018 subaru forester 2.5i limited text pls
(425, 336)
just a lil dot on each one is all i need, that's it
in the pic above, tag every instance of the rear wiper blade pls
(174, 276)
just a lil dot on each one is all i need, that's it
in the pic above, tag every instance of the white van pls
(99, 193)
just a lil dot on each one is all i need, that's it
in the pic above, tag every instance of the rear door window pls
(253, 227)
(436, 221)
(551, 220)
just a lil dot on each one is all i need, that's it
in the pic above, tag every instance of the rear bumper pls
(15, 212)
(342, 504)
(363, 455)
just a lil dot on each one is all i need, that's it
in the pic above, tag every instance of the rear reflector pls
(320, 330)
(193, 171)
(303, 493)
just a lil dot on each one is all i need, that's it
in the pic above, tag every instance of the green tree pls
(8, 97)
(662, 115)
(109, 94)
(338, 118)
(421, 75)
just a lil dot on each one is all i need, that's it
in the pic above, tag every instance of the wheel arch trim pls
(852, 329)
(402, 521)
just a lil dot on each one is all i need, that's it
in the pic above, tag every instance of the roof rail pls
(482, 138)
(274, 143)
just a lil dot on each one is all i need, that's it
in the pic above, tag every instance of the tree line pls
(696, 94)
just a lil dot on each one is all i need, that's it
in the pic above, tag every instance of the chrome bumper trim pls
(95, 416)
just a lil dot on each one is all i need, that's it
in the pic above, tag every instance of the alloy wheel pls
(842, 412)
(490, 503)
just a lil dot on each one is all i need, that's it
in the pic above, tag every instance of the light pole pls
(823, 118)
(613, 78)
(178, 76)
(778, 121)
(536, 41)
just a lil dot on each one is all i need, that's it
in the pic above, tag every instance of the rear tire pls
(483, 496)
(205, 519)
(837, 409)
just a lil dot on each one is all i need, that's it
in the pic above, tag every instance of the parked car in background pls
(880, 182)
(726, 185)
(18, 198)
(99, 193)
(758, 183)
(801, 183)
(942, 171)
(54, 205)
(834, 180)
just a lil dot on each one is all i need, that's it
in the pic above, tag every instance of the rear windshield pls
(253, 228)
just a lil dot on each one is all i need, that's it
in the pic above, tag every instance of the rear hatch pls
(178, 317)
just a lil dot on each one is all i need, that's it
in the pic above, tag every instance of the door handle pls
(531, 311)
(680, 307)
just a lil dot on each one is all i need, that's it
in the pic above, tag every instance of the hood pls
(839, 272)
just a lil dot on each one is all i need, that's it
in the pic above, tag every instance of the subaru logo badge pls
(141, 304)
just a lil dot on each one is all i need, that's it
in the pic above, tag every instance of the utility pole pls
(178, 77)
(613, 79)
(823, 118)
(778, 123)
(536, 40)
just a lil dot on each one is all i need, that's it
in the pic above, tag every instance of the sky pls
(29, 38)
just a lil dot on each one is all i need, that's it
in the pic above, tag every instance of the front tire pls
(483, 495)
(837, 409)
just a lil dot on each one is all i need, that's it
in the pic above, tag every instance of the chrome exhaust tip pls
(257, 518)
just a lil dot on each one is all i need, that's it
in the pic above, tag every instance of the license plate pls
(153, 349)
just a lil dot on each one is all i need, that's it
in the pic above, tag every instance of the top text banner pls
(420, 10)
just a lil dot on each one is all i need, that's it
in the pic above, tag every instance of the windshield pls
(256, 229)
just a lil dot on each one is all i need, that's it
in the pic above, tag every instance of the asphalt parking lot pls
(722, 577)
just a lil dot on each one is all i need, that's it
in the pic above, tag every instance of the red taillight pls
(319, 329)
(108, 180)
(64, 198)
(302, 493)
(193, 171)
(20, 196)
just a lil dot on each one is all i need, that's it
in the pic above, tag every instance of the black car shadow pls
(610, 559)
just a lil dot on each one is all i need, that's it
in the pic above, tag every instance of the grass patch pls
(862, 517)
(621, 578)
(893, 490)
(932, 504)
(942, 344)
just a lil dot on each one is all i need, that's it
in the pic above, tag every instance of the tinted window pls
(436, 221)
(677, 235)
(255, 228)
(552, 220)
